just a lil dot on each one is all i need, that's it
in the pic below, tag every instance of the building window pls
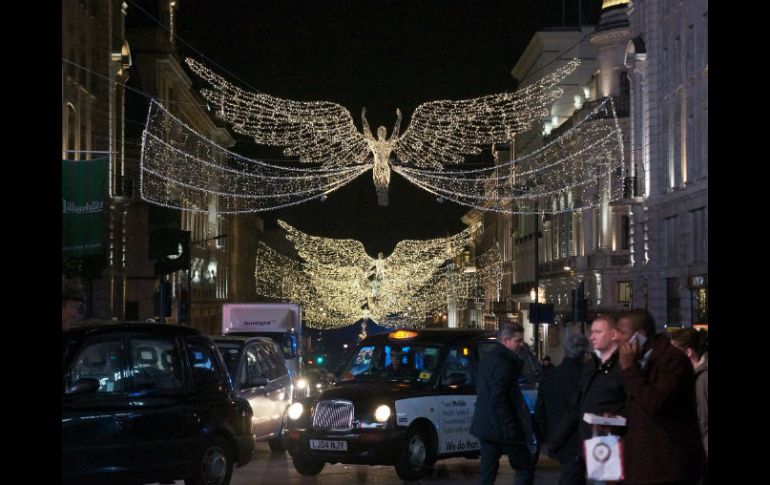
(223, 224)
(72, 133)
(625, 232)
(624, 292)
(699, 235)
(673, 315)
(699, 298)
(670, 238)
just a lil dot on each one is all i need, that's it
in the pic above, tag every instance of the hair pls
(689, 338)
(576, 346)
(640, 320)
(507, 330)
(610, 318)
(548, 358)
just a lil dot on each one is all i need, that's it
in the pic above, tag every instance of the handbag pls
(604, 458)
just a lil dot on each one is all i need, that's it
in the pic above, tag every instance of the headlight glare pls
(295, 411)
(382, 413)
(301, 383)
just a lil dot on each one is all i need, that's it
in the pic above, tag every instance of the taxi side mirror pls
(456, 379)
(258, 381)
(84, 385)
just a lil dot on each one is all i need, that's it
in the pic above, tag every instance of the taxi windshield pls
(393, 362)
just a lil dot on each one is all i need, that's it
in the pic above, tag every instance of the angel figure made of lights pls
(439, 132)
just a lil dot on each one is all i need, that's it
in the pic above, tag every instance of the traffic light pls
(319, 360)
(579, 303)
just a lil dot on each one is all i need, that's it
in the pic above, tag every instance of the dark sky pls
(375, 53)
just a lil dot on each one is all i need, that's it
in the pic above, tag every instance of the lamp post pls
(536, 317)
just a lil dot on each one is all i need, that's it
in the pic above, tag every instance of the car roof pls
(164, 329)
(433, 336)
(238, 339)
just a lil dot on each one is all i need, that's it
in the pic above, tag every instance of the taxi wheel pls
(276, 444)
(215, 466)
(412, 462)
(306, 466)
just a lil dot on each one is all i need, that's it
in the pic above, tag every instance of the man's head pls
(604, 333)
(71, 300)
(576, 347)
(395, 357)
(546, 361)
(692, 342)
(511, 335)
(633, 321)
(381, 132)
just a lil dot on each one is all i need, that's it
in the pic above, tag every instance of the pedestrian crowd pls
(629, 373)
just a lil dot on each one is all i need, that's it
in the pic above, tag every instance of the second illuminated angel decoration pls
(338, 283)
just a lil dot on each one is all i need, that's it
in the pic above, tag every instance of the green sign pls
(83, 188)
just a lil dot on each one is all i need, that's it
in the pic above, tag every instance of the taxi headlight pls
(295, 411)
(382, 413)
(301, 383)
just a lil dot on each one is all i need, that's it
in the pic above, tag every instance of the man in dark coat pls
(501, 420)
(601, 390)
(557, 390)
(662, 444)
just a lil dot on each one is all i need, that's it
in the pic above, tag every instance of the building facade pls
(668, 60)
(96, 60)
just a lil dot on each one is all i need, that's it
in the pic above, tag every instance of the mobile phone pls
(638, 338)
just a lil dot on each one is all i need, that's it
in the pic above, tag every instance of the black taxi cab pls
(405, 398)
(149, 402)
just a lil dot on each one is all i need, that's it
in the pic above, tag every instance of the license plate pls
(328, 445)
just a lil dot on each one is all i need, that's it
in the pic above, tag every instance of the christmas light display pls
(338, 283)
(580, 169)
(440, 132)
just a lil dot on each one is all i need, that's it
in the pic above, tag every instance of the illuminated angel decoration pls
(439, 133)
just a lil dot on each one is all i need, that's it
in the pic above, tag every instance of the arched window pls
(71, 132)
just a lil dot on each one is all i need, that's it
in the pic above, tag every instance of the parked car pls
(405, 398)
(147, 403)
(259, 373)
(312, 382)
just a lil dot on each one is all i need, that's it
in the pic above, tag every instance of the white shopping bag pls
(604, 459)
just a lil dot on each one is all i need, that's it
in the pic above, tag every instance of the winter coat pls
(662, 443)
(702, 399)
(557, 390)
(602, 391)
(501, 414)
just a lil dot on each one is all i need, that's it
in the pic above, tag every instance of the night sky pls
(375, 53)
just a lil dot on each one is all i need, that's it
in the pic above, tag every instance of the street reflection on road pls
(277, 468)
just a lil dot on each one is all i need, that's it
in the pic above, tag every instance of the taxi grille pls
(333, 415)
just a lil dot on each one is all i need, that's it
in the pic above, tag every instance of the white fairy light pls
(440, 132)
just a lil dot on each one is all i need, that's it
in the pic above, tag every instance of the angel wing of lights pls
(441, 132)
(582, 168)
(182, 169)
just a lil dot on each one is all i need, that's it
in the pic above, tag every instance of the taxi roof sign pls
(402, 334)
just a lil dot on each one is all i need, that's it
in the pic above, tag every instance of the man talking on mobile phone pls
(662, 442)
